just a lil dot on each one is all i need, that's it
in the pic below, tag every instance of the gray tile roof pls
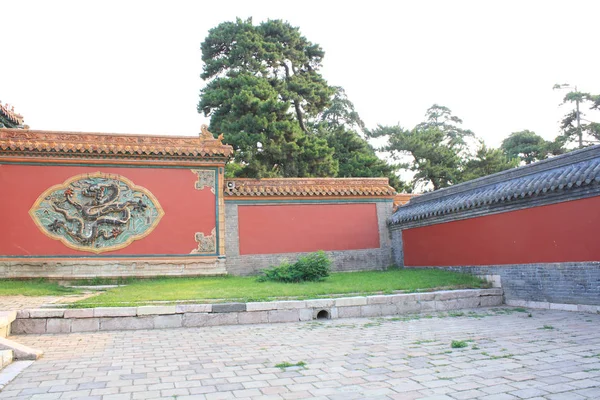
(553, 178)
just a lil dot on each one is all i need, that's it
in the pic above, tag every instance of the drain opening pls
(323, 314)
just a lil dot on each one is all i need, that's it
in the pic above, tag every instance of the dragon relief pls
(97, 212)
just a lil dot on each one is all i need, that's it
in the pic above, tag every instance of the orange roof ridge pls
(20, 142)
(308, 187)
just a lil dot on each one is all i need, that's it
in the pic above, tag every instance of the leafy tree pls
(576, 128)
(265, 93)
(486, 162)
(525, 146)
(424, 152)
(357, 158)
(457, 138)
(341, 112)
(267, 139)
(263, 85)
(435, 150)
(439, 151)
(340, 125)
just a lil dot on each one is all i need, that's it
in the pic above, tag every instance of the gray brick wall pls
(397, 247)
(347, 260)
(563, 283)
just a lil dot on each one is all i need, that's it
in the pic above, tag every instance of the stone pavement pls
(15, 303)
(508, 355)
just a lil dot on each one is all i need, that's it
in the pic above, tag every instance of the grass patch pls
(456, 314)
(99, 281)
(246, 289)
(547, 327)
(36, 287)
(286, 364)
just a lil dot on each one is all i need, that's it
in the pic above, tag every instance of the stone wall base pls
(574, 283)
(41, 321)
(554, 306)
(110, 268)
(341, 261)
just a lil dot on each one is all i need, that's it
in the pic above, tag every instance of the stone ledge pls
(6, 320)
(544, 305)
(197, 315)
(20, 352)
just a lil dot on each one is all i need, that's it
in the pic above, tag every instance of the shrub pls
(458, 344)
(310, 268)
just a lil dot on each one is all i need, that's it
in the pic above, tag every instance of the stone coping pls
(41, 321)
(545, 305)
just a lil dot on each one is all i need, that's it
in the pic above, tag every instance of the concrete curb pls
(43, 321)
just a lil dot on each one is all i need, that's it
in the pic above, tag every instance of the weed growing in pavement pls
(592, 356)
(456, 314)
(458, 344)
(424, 341)
(286, 364)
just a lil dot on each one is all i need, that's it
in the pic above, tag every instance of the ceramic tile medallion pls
(96, 212)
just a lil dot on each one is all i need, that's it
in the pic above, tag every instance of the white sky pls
(134, 66)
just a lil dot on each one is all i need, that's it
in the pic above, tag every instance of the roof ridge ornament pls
(205, 134)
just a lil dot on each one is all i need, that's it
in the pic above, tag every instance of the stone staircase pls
(14, 357)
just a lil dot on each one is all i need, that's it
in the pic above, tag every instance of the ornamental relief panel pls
(206, 178)
(96, 212)
(206, 244)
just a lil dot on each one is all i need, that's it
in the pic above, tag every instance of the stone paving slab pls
(8, 303)
(508, 355)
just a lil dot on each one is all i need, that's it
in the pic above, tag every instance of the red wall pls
(555, 233)
(187, 210)
(294, 228)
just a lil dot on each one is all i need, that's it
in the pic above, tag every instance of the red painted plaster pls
(271, 229)
(560, 232)
(187, 210)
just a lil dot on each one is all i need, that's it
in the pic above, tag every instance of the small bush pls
(310, 268)
(458, 344)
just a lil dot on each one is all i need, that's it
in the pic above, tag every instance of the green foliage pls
(439, 151)
(263, 85)
(286, 364)
(526, 146)
(237, 288)
(458, 344)
(265, 93)
(486, 162)
(575, 128)
(357, 158)
(310, 268)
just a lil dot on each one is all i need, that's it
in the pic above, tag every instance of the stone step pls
(6, 357)
(6, 320)
(19, 351)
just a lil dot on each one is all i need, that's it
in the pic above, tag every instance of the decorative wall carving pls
(206, 178)
(206, 244)
(96, 212)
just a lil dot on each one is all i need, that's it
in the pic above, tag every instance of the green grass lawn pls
(245, 289)
(36, 287)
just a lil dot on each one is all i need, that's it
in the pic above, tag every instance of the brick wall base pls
(557, 283)
(91, 268)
